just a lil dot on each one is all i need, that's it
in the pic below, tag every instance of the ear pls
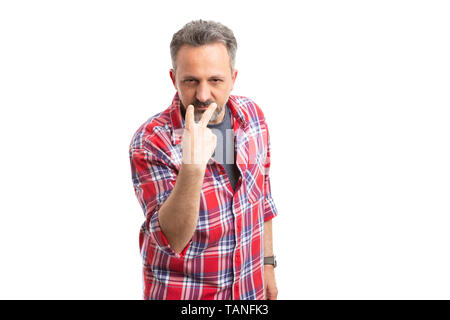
(172, 76)
(233, 78)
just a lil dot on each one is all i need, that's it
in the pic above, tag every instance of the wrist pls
(193, 169)
(269, 267)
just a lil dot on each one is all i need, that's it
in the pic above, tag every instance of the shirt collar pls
(237, 112)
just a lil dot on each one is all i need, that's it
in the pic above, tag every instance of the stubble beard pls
(215, 116)
(199, 113)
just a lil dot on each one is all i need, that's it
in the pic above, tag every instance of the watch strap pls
(270, 260)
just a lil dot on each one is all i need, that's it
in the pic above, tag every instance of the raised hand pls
(198, 141)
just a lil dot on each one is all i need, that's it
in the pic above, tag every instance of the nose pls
(203, 92)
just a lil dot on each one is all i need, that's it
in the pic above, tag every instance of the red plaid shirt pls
(224, 258)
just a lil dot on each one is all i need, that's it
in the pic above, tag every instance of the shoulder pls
(155, 132)
(248, 106)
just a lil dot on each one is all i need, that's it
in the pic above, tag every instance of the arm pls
(170, 198)
(268, 247)
(178, 215)
(270, 212)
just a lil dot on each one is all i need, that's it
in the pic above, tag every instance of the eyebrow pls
(211, 77)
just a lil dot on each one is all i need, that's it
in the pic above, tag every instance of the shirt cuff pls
(270, 210)
(160, 239)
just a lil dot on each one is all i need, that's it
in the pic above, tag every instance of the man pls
(208, 227)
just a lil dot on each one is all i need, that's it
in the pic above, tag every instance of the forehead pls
(210, 58)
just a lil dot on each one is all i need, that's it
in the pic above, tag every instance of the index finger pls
(208, 114)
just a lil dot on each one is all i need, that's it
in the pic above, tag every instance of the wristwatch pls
(271, 260)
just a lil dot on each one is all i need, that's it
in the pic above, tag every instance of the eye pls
(217, 80)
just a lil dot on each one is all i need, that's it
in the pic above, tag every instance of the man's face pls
(203, 76)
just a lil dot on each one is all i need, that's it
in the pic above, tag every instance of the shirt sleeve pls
(270, 210)
(153, 181)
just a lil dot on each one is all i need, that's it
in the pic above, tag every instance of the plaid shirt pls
(224, 258)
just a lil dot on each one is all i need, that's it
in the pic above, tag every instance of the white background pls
(356, 95)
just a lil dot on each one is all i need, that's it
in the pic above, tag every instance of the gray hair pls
(201, 32)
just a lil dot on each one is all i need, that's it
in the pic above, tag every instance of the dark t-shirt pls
(224, 152)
